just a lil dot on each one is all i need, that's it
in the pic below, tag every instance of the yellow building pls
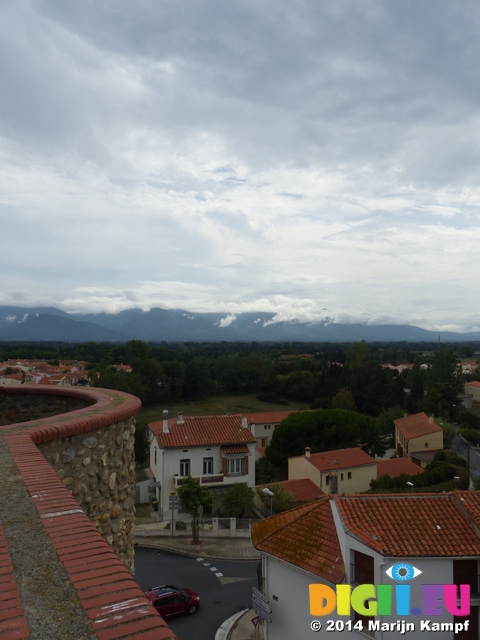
(417, 433)
(340, 471)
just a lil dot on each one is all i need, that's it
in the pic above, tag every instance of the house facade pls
(216, 450)
(417, 433)
(343, 470)
(473, 389)
(409, 545)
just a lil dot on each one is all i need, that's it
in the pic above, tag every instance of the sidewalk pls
(222, 548)
(239, 626)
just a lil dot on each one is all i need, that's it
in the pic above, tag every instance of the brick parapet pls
(113, 604)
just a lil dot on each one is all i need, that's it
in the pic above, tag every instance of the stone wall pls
(99, 470)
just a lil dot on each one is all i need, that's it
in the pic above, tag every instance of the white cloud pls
(281, 157)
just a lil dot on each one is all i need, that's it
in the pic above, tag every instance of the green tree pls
(344, 400)
(193, 496)
(283, 500)
(238, 500)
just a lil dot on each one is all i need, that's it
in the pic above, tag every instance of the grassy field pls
(217, 405)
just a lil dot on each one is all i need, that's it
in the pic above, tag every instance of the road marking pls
(213, 569)
(199, 559)
(219, 575)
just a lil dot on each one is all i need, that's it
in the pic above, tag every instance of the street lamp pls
(410, 484)
(267, 492)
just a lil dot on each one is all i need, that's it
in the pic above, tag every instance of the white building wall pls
(168, 464)
(287, 588)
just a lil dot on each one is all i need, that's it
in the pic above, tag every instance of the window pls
(341, 476)
(349, 476)
(207, 466)
(184, 467)
(236, 465)
(327, 480)
(155, 456)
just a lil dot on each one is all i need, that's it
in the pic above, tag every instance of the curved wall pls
(61, 448)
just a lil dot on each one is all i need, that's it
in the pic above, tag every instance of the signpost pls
(261, 607)
(173, 505)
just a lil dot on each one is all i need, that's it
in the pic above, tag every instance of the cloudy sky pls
(307, 157)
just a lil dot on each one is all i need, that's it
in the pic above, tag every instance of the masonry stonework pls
(98, 468)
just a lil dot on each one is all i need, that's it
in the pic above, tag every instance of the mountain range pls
(38, 324)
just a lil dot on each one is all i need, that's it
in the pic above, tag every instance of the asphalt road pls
(220, 596)
(460, 447)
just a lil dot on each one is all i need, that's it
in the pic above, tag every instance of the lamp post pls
(410, 484)
(267, 492)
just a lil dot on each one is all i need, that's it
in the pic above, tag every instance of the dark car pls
(169, 600)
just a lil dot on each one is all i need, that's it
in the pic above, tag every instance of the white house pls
(264, 423)
(411, 540)
(216, 450)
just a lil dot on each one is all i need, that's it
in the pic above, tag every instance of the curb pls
(225, 629)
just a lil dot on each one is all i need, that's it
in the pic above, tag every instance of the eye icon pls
(403, 572)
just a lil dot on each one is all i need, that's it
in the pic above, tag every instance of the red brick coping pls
(112, 600)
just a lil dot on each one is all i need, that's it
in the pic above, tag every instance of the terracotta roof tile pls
(202, 430)
(239, 448)
(305, 537)
(269, 417)
(304, 490)
(396, 466)
(416, 525)
(417, 425)
(340, 459)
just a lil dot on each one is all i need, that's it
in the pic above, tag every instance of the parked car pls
(169, 600)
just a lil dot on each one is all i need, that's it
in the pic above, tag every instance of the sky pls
(310, 158)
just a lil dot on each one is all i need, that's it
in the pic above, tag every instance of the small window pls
(341, 476)
(184, 467)
(207, 466)
(327, 480)
(426, 445)
(349, 475)
(155, 456)
(236, 465)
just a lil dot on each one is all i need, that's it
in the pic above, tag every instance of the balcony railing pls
(205, 480)
(359, 575)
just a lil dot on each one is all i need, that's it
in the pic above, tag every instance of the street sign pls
(262, 604)
(259, 594)
(255, 621)
(174, 503)
(263, 614)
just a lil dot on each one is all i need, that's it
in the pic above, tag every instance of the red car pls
(169, 600)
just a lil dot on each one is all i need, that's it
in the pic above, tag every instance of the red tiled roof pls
(417, 425)
(304, 490)
(474, 383)
(305, 537)
(409, 525)
(202, 430)
(396, 466)
(353, 457)
(269, 417)
(239, 448)
(261, 451)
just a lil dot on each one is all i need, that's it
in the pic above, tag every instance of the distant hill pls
(36, 324)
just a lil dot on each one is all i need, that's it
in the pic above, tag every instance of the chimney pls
(180, 419)
(165, 421)
(244, 422)
(431, 419)
(307, 452)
